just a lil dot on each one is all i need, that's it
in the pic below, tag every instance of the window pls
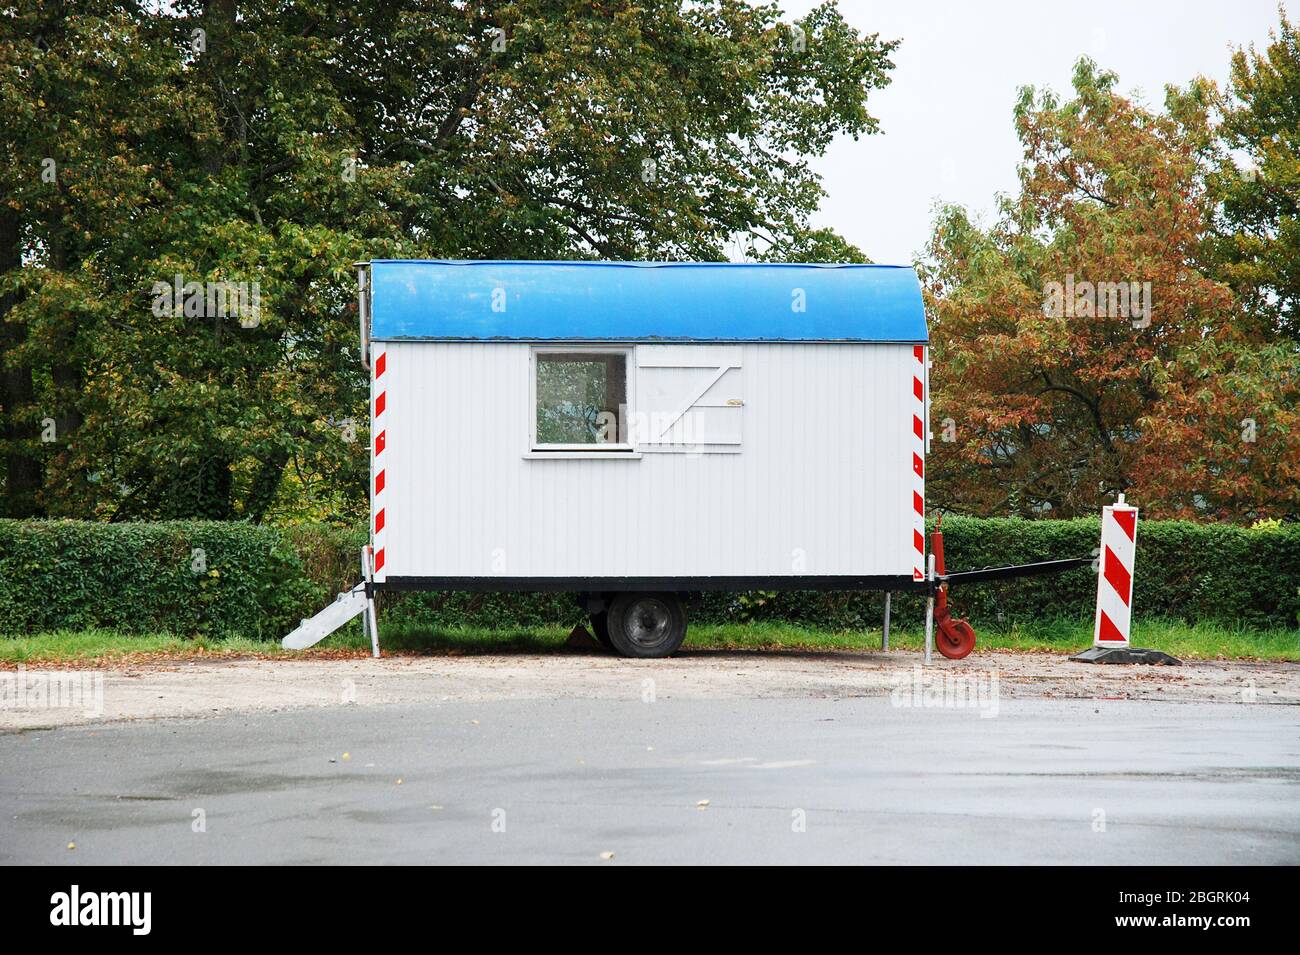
(580, 400)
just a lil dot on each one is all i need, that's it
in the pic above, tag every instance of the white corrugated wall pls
(822, 484)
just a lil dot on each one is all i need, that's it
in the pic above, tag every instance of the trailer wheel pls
(600, 627)
(954, 638)
(647, 624)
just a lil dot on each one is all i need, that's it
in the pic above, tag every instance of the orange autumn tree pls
(1079, 349)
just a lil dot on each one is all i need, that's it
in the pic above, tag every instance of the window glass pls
(581, 397)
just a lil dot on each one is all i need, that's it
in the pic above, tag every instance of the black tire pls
(600, 627)
(646, 625)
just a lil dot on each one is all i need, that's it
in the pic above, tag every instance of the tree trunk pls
(216, 490)
(265, 484)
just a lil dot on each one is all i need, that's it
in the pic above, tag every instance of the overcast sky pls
(946, 127)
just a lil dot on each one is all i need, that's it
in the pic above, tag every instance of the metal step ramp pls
(346, 607)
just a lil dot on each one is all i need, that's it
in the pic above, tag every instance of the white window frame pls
(615, 451)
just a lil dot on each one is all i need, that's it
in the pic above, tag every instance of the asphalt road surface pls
(573, 779)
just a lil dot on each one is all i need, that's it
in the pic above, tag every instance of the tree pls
(86, 103)
(614, 130)
(1256, 242)
(277, 143)
(1079, 349)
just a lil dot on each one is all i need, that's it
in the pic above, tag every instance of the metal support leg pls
(370, 617)
(884, 634)
(929, 618)
(372, 624)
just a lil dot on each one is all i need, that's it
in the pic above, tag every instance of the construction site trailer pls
(633, 432)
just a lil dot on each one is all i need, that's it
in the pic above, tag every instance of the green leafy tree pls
(88, 99)
(277, 143)
(1256, 244)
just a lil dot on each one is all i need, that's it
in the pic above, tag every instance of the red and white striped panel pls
(920, 424)
(1115, 575)
(378, 460)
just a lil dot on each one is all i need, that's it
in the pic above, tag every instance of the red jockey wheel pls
(954, 638)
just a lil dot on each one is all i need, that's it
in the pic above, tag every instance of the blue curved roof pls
(644, 301)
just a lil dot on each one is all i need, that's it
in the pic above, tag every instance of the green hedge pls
(1184, 571)
(189, 577)
(1212, 572)
(258, 581)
